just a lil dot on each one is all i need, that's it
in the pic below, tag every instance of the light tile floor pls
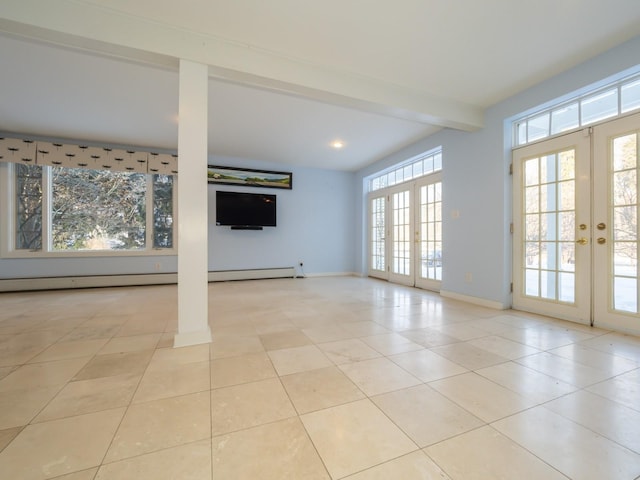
(317, 378)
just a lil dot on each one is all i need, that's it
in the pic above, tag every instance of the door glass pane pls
(624, 217)
(549, 236)
(532, 282)
(566, 287)
(625, 294)
(378, 228)
(567, 256)
(531, 172)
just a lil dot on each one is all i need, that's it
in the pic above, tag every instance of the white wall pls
(315, 225)
(476, 181)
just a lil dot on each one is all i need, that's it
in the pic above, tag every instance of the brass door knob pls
(582, 241)
(602, 240)
(601, 226)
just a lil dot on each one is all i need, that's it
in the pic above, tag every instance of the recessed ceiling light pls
(337, 144)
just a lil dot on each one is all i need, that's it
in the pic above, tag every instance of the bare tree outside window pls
(28, 184)
(98, 209)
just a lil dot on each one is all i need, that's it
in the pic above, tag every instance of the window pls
(59, 209)
(28, 207)
(416, 167)
(613, 100)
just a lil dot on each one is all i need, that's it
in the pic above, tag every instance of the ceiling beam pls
(96, 29)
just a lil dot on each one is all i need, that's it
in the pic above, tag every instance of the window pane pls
(631, 96)
(600, 106)
(28, 207)
(437, 162)
(392, 178)
(522, 133)
(408, 172)
(428, 165)
(565, 118)
(538, 127)
(417, 169)
(162, 211)
(97, 209)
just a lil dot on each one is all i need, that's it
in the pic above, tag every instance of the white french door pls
(428, 232)
(615, 233)
(552, 265)
(575, 226)
(405, 233)
(377, 226)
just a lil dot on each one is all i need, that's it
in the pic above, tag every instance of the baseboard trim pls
(475, 300)
(96, 281)
(252, 274)
(89, 281)
(331, 274)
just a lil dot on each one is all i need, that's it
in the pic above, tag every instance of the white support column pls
(193, 324)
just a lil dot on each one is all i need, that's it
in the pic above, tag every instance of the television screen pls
(238, 209)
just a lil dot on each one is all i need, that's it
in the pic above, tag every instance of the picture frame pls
(249, 177)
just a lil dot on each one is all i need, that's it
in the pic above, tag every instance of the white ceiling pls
(461, 56)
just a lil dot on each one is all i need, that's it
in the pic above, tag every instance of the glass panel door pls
(616, 174)
(429, 233)
(405, 233)
(377, 236)
(551, 228)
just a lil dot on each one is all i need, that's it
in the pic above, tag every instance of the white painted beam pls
(95, 28)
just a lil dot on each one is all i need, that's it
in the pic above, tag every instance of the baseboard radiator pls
(94, 281)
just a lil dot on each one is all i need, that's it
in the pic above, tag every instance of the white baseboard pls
(254, 274)
(475, 300)
(93, 281)
(90, 281)
(331, 274)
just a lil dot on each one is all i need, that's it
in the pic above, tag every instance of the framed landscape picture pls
(249, 177)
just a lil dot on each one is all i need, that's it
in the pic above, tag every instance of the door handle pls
(602, 240)
(601, 226)
(582, 241)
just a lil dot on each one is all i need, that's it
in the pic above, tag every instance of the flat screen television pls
(245, 210)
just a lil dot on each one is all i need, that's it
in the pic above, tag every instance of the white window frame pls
(8, 222)
(522, 126)
(411, 169)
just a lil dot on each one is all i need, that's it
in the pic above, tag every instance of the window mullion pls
(47, 213)
(149, 243)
